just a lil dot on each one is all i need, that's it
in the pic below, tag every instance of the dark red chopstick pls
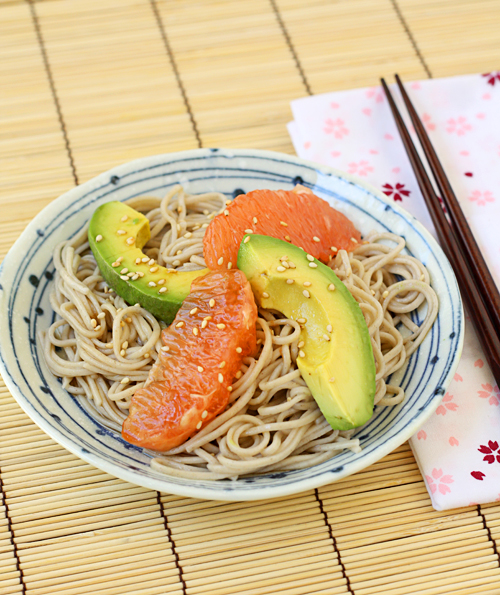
(477, 310)
(462, 231)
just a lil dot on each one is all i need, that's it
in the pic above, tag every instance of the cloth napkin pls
(458, 449)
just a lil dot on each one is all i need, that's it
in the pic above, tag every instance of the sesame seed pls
(288, 238)
(176, 263)
(238, 374)
(230, 389)
(115, 264)
(226, 212)
(151, 262)
(200, 369)
(286, 265)
(178, 227)
(109, 345)
(292, 265)
(385, 294)
(333, 249)
(281, 269)
(422, 277)
(205, 225)
(125, 380)
(124, 344)
(326, 337)
(331, 287)
(284, 224)
(119, 259)
(187, 235)
(204, 414)
(309, 257)
(124, 271)
(301, 320)
(373, 293)
(220, 261)
(163, 290)
(179, 324)
(354, 240)
(130, 240)
(198, 425)
(221, 326)
(204, 324)
(153, 269)
(98, 327)
(131, 274)
(306, 294)
(316, 239)
(248, 230)
(206, 212)
(283, 258)
(101, 315)
(307, 284)
(193, 311)
(255, 220)
(302, 354)
(146, 355)
(228, 202)
(222, 364)
(290, 281)
(301, 344)
(332, 379)
(122, 353)
(220, 378)
(124, 277)
(141, 274)
(165, 348)
(98, 238)
(211, 303)
(124, 218)
(313, 265)
(196, 332)
(329, 328)
(229, 265)
(160, 281)
(137, 261)
(246, 240)
(239, 349)
(128, 319)
(121, 232)
(152, 284)
(265, 294)
(145, 259)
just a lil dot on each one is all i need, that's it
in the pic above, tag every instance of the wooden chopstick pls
(476, 308)
(462, 231)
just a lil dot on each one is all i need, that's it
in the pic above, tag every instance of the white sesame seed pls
(160, 281)
(179, 324)
(187, 235)
(220, 261)
(281, 269)
(286, 265)
(301, 344)
(193, 311)
(146, 355)
(141, 274)
(329, 328)
(313, 265)
(163, 290)
(221, 326)
(165, 348)
(204, 324)
(200, 369)
(422, 277)
(115, 264)
(151, 262)
(292, 265)
(290, 281)
(153, 269)
(246, 240)
(137, 261)
(124, 271)
(152, 284)
(239, 349)
(306, 294)
(283, 258)
(309, 257)
(204, 414)
(196, 332)
(229, 265)
(204, 226)
(109, 345)
(124, 277)
(125, 345)
(125, 380)
(354, 240)
(248, 230)
(145, 259)
(373, 293)
(385, 294)
(265, 294)
(301, 320)
(284, 224)
(176, 263)
(226, 212)
(331, 287)
(288, 238)
(124, 218)
(222, 364)
(220, 378)
(307, 284)
(316, 239)
(122, 353)
(302, 354)
(326, 337)
(101, 315)
(332, 379)
(228, 202)
(130, 240)
(121, 232)
(255, 220)
(230, 389)
(131, 274)
(198, 425)
(119, 259)
(211, 303)
(98, 238)
(238, 374)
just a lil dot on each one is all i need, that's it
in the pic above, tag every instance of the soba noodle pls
(103, 349)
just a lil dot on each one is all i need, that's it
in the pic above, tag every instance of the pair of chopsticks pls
(478, 288)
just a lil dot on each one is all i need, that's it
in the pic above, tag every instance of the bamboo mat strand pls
(88, 84)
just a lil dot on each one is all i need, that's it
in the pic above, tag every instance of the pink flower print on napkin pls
(459, 126)
(362, 168)
(491, 451)
(492, 393)
(439, 482)
(375, 93)
(427, 120)
(335, 127)
(397, 191)
(492, 77)
(481, 198)
(447, 405)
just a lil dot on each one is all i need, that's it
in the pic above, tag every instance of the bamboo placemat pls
(88, 84)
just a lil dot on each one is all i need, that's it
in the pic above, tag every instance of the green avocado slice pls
(117, 234)
(337, 360)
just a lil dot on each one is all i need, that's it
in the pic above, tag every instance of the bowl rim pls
(257, 493)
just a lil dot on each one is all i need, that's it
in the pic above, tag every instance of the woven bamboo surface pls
(88, 84)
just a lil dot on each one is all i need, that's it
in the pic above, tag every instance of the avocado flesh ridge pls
(106, 221)
(347, 401)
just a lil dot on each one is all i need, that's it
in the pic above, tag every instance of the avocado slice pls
(116, 235)
(336, 360)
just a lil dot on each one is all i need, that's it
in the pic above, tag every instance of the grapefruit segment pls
(203, 350)
(297, 216)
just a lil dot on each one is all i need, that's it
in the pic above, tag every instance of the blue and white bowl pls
(26, 279)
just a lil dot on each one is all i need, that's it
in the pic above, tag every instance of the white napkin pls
(458, 449)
